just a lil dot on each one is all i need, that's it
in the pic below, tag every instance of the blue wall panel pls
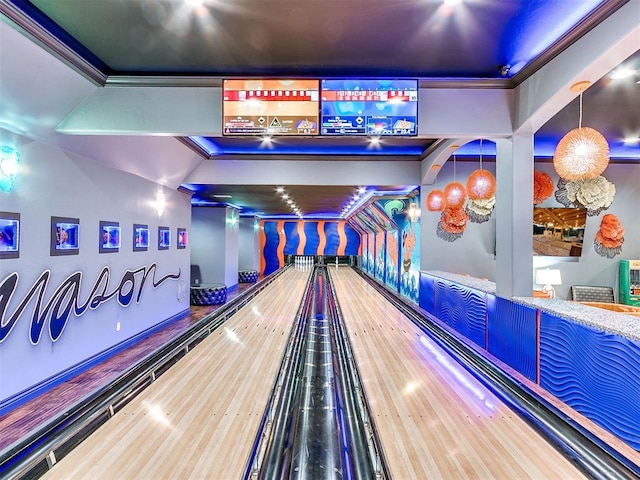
(292, 238)
(313, 239)
(270, 248)
(595, 372)
(353, 241)
(427, 293)
(333, 240)
(463, 309)
(512, 335)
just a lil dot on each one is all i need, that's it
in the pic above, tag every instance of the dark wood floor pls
(34, 413)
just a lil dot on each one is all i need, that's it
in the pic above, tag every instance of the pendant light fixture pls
(481, 184)
(435, 201)
(583, 153)
(454, 193)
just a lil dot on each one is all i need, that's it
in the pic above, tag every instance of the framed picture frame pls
(109, 237)
(140, 237)
(9, 235)
(164, 238)
(182, 238)
(65, 236)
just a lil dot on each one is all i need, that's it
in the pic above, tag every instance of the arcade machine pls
(630, 282)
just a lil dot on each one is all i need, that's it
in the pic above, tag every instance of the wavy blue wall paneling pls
(427, 293)
(511, 334)
(595, 372)
(270, 248)
(353, 241)
(463, 309)
(292, 238)
(313, 239)
(332, 238)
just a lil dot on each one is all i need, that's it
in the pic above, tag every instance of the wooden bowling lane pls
(199, 419)
(434, 419)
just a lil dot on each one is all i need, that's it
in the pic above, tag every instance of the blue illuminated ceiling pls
(476, 43)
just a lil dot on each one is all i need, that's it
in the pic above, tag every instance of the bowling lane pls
(434, 419)
(200, 418)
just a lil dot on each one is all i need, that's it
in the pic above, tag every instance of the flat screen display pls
(558, 232)
(140, 237)
(369, 107)
(65, 236)
(109, 237)
(270, 107)
(9, 235)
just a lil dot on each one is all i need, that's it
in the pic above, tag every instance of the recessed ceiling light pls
(266, 140)
(374, 140)
(289, 201)
(280, 189)
(221, 195)
(285, 196)
(361, 190)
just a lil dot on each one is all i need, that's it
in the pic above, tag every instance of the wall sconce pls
(161, 202)
(9, 167)
(548, 277)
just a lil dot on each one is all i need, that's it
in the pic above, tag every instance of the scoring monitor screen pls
(369, 107)
(270, 107)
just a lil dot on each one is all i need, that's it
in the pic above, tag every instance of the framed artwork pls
(109, 237)
(9, 235)
(65, 236)
(140, 237)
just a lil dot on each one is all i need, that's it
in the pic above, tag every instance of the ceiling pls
(474, 43)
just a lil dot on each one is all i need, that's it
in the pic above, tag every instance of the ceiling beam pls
(600, 50)
(286, 172)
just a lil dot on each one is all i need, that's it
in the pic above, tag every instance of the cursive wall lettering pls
(67, 299)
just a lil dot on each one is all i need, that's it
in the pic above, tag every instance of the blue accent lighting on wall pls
(9, 167)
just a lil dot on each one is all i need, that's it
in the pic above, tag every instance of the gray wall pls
(248, 244)
(214, 244)
(473, 253)
(53, 182)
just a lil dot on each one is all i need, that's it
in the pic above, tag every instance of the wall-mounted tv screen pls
(270, 107)
(140, 237)
(558, 232)
(109, 237)
(182, 238)
(164, 238)
(65, 236)
(9, 235)
(369, 107)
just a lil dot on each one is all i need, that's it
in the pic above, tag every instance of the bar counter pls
(587, 357)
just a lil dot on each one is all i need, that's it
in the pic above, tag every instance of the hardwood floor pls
(434, 419)
(200, 418)
(34, 413)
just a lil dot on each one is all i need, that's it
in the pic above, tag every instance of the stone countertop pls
(613, 322)
(483, 285)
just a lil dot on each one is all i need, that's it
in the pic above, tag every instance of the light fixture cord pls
(580, 120)
(480, 154)
(454, 168)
